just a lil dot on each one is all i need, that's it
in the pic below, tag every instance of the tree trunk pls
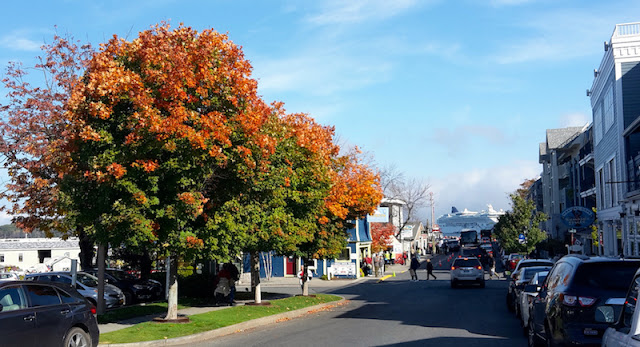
(86, 249)
(145, 265)
(255, 276)
(172, 305)
(102, 251)
(304, 278)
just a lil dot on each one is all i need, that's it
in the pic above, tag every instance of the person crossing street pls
(430, 270)
(415, 264)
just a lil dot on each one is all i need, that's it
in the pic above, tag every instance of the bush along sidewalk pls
(150, 331)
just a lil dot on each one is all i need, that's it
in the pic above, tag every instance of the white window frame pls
(597, 123)
(612, 178)
(600, 190)
(608, 108)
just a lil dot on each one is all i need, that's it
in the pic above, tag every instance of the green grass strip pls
(127, 312)
(150, 331)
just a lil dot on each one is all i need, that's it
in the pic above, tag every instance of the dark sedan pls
(52, 314)
(134, 289)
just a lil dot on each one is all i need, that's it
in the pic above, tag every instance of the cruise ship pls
(452, 223)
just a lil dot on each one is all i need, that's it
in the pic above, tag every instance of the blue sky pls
(457, 93)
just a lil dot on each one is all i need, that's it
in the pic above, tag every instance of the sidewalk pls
(274, 282)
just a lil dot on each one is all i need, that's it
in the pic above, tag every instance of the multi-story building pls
(567, 177)
(615, 102)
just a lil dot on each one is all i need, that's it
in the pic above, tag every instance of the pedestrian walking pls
(381, 265)
(430, 270)
(415, 264)
(491, 264)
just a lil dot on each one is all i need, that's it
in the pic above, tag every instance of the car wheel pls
(77, 337)
(128, 298)
(532, 339)
(548, 336)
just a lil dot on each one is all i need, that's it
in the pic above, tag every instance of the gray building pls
(615, 101)
(567, 178)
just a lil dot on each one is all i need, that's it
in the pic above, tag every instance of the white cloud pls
(319, 72)
(574, 120)
(337, 11)
(558, 35)
(18, 42)
(475, 188)
(5, 218)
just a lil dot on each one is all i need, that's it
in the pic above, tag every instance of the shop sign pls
(578, 217)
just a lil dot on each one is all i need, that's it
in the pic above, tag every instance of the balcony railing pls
(626, 29)
(633, 172)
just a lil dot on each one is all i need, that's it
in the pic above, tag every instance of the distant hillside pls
(10, 231)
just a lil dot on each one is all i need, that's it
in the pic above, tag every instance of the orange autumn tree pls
(33, 126)
(151, 123)
(381, 236)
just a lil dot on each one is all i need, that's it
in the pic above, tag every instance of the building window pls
(612, 184)
(20, 257)
(608, 108)
(600, 191)
(1, 258)
(345, 254)
(597, 122)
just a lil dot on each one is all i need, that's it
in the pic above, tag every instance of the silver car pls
(86, 284)
(467, 270)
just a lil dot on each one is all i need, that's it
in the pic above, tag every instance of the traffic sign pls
(521, 238)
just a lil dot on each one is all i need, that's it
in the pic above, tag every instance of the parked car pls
(86, 284)
(515, 276)
(51, 314)
(134, 288)
(527, 297)
(467, 270)
(624, 333)
(8, 276)
(512, 260)
(525, 276)
(579, 300)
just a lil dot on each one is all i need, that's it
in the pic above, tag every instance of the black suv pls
(52, 314)
(575, 298)
(134, 289)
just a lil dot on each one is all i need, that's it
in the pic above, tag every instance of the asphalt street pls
(396, 312)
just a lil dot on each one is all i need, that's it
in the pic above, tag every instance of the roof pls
(39, 243)
(558, 137)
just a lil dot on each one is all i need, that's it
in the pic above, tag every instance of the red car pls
(513, 260)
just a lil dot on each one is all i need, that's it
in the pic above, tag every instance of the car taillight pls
(586, 301)
(455, 267)
(479, 267)
(93, 310)
(572, 300)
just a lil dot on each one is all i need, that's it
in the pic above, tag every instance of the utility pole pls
(433, 208)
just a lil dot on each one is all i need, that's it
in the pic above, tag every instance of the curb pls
(199, 337)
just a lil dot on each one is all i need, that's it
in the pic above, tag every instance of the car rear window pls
(466, 262)
(535, 263)
(609, 275)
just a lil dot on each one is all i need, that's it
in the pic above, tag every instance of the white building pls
(616, 123)
(37, 253)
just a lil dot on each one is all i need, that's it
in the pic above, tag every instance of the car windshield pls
(5, 275)
(541, 278)
(466, 262)
(87, 280)
(121, 275)
(607, 275)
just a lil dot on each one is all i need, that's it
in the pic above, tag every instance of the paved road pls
(397, 312)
